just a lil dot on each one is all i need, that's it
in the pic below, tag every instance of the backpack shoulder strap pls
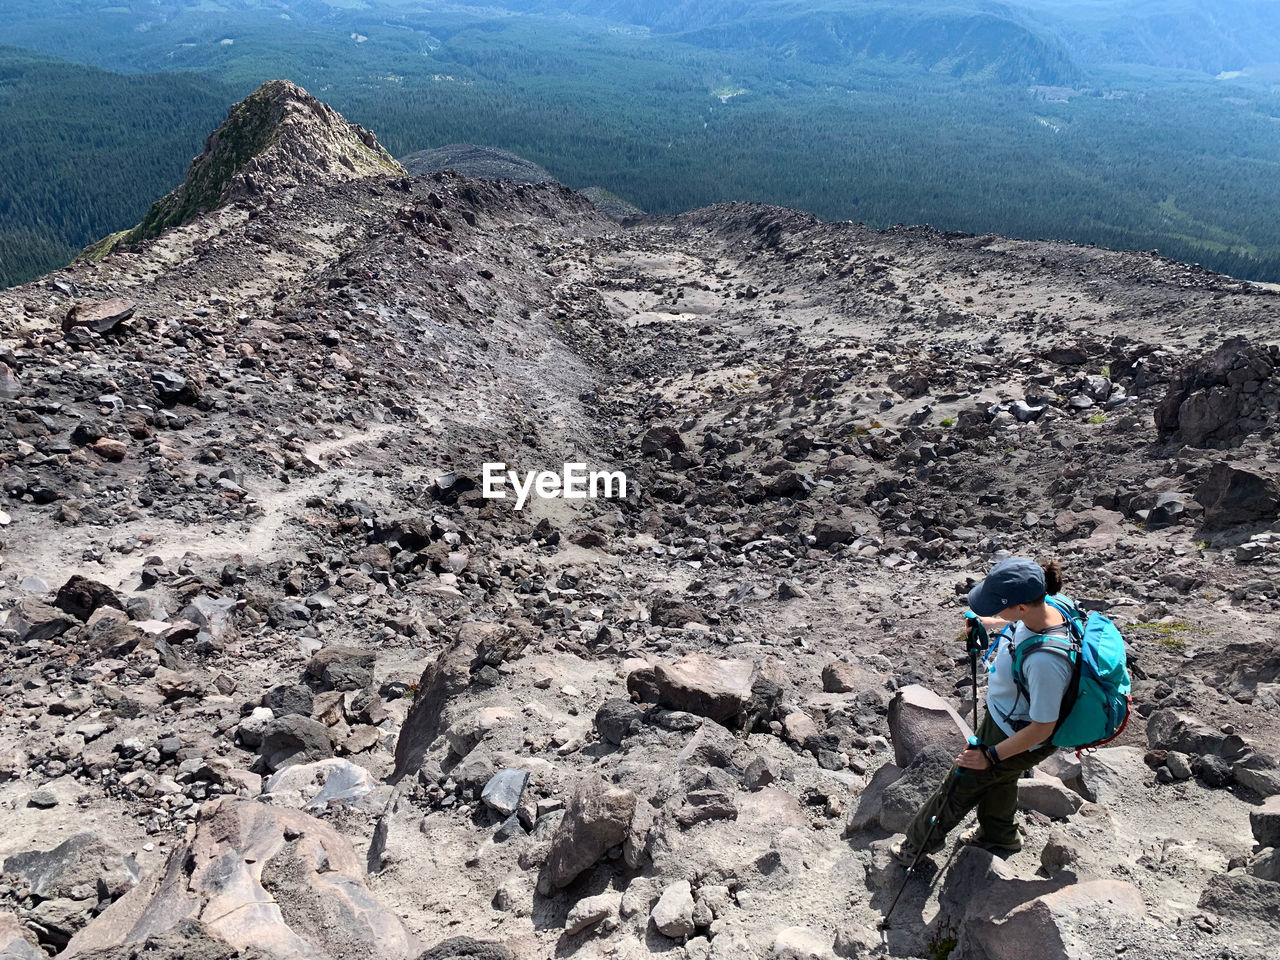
(1071, 648)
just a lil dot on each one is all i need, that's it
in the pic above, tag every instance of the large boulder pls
(866, 815)
(1242, 896)
(1168, 729)
(616, 719)
(34, 620)
(1048, 796)
(81, 596)
(696, 683)
(215, 616)
(1064, 924)
(260, 878)
(905, 796)
(1221, 398)
(294, 739)
(919, 717)
(1111, 774)
(342, 668)
(81, 867)
(443, 680)
(596, 818)
(315, 785)
(1264, 821)
(1238, 493)
(100, 316)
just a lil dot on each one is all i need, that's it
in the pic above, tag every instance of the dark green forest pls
(955, 127)
(84, 152)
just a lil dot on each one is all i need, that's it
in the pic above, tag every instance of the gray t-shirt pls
(1046, 674)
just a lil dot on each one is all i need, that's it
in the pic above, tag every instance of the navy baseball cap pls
(1010, 582)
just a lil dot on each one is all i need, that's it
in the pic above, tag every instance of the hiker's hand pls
(972, 758)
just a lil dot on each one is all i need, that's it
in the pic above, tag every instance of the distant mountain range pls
(1034, 40)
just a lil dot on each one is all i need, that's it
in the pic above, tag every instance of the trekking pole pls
(978, 640)
(933, 823)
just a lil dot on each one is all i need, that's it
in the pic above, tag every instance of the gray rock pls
(80, 867)
(173, 388)
(237, 851)
(336, 779)
(1044, 796)
(670, 612)
(252, 727)
(1238, 493)
(289, 698)
(100, 316)
(905, 796)
(1055, 920)
(504, 791)
(294, 739)
(1214, 771)
(213, 616)
(1110, 773)
(14, 943)
(467, 948)
(1168, 729)
(711, 746)
(1025, 412)
(43, 799)
(1179, 765)
(1242, 896)
(866, 815)
(696, 683)
(1266, 866)
(589, 911)
(596, 818)
(918, 717)
(1264, 821)
(760, 772)
(34, 620)
(673, 913)
(1263, 781)
(342, 668)
(616, 718)
(800, 943)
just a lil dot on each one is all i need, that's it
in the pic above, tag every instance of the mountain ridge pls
(276, 136)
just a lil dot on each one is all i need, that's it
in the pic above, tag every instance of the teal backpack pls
(1095, 706)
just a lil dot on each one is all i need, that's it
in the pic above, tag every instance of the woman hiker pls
(1014, 733)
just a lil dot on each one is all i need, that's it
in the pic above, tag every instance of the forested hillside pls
(1035, 118)
(84, 152)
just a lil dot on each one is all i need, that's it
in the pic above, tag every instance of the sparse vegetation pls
(942, 943)
(1167, 633)
(1098, 418)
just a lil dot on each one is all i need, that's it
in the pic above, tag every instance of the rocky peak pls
(276, 137)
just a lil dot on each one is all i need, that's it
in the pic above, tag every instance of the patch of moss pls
(1166, 633)
(96, 251)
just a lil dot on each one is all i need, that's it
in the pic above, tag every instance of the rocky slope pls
(277, 681)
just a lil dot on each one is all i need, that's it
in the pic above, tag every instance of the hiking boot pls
(905, 852)
(973, 837)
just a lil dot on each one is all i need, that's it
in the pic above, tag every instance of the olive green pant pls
(993, 792)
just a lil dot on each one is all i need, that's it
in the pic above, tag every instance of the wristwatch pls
(993, 758)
